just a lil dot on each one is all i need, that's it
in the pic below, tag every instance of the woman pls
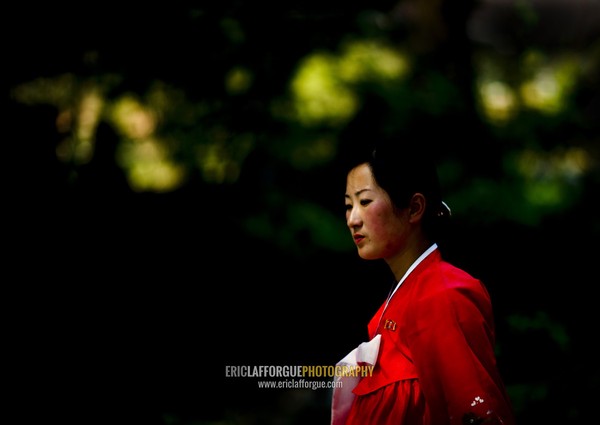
(432, 339)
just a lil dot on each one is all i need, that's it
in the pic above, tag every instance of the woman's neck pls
(400, 264)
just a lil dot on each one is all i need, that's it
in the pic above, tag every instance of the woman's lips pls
(358, 238)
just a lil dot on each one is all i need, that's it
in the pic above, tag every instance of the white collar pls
(410, 269)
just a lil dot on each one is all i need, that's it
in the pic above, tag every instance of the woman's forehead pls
(360, 180)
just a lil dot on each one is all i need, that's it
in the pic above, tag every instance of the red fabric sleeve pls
(452, 345)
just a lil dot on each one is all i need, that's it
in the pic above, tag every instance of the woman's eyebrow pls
(358, 192)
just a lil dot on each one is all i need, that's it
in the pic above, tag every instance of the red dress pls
(436, 362)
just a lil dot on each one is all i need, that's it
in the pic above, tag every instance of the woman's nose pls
(353, 218)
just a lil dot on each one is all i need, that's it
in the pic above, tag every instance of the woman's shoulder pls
(444, 290)
(444, 277)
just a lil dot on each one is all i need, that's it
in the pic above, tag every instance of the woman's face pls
(379, 231)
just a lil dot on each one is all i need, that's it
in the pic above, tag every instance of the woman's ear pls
(416, 207)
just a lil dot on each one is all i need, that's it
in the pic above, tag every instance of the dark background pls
(126, 302)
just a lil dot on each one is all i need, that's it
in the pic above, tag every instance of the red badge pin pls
(389, 325)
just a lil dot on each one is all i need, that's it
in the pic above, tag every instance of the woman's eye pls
(348, 207)
(365, 202)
